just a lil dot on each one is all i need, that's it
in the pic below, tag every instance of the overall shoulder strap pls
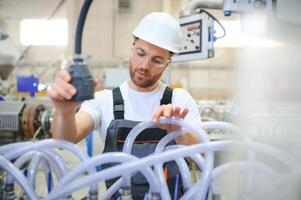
(118, 104)
(167, 96)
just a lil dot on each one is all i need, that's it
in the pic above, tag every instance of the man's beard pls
(149, 80)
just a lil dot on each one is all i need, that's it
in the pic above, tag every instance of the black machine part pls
(9, 192)
(82, 81)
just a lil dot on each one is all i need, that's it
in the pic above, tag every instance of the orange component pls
(165, 172)
(30, 119)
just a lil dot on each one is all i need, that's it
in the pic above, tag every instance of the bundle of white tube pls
(209, 157)
(13, 151)
(99, 160)
(7, 166)
(130, 164)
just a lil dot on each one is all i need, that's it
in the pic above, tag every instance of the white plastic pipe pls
(158, 167)
(111, 190)
(19, 163)
(164, 188)
(203, 184)
(9, 147)
(49, 143)
(11, 169)
(129, 168)
(241, 166)
(183, 168)
(292, 178)
(55, 161)
(222, 125)
(186, 178)
(185, 174)
(248, 146)
(228, 127)
(209, 157)
(31, 172)
(194, 4)
(128, 144)
(44, 144)
(197, 158)
(103, 159)
(199, 161)
(237, 132)
(34, 166)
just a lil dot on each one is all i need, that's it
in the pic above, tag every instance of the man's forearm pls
(64, 127)
(188, 139)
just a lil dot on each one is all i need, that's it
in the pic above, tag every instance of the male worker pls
(142, 98)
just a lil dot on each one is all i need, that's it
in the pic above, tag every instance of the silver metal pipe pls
(194, 4)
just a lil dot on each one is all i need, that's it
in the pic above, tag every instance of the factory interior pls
(239, 60)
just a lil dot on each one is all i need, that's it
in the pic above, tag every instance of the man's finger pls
(158, 113)
(53, 94)
(63, 94)
(67, 87)
(183, 113)
(63, 74)
(168, 111)
(96, 83)
(176, 111)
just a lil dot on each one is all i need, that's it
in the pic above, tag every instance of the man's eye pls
(140, 53)
(156, 61)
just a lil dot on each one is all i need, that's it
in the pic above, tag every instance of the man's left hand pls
(169, 110)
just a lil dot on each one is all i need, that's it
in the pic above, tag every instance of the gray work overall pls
(144, 145)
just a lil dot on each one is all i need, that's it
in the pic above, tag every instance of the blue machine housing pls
(27, 84)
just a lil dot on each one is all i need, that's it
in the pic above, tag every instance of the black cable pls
(210, 15)
(80, 27)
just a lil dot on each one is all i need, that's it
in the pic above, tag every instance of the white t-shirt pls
(138, 106)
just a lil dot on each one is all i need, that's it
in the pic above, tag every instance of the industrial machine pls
(21, 121)
(28, 84)
(198, 24)
(198, 38)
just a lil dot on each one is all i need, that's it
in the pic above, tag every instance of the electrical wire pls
(80, 27)
(217, 21)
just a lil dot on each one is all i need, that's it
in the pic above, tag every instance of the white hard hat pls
(160, 29)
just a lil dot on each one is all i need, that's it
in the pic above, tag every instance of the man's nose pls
(145, 64)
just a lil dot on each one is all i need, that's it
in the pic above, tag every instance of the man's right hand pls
(67, 125)
(61, 91)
